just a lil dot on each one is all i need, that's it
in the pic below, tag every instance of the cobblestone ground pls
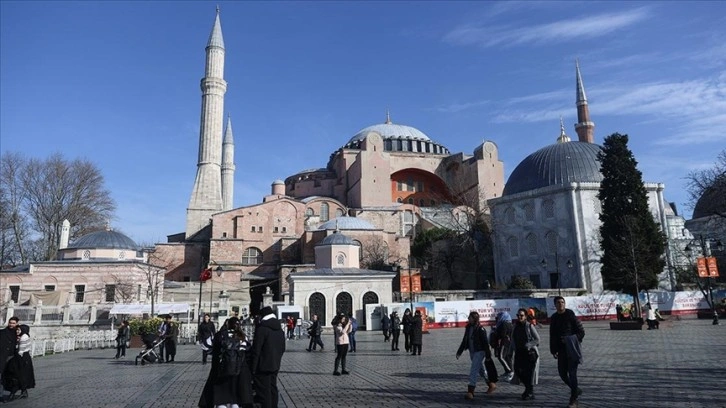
(681, 365)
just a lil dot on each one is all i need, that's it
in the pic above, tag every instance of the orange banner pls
(711, 266)
(702, 268)
(408, 281)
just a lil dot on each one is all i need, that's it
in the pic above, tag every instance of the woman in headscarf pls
(19, 373)
(525, 340)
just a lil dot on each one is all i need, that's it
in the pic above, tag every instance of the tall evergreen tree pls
(632, 242)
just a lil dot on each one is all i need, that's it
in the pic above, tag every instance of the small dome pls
(277, 182)
(347, 223)
(712, 200)
(336, 239)
(104, 240)
(391, 131)
(556, 164)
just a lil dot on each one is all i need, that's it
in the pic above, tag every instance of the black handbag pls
(492, 375)
(533, 355)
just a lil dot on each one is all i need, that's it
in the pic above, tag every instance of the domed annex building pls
(103, 267)
(546, 224)
(374, 189)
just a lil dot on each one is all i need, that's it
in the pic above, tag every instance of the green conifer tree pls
(631, 241)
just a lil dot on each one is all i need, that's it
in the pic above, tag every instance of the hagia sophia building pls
(385, 184)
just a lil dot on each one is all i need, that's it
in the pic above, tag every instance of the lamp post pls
(706, 251)
(557, 269)
(219, 271)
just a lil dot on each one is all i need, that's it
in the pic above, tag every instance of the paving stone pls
(683, 365)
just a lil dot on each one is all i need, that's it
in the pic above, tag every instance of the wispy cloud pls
(696, 108)
(458, 107)
(558, 31)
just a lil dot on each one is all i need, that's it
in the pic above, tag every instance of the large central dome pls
(391, 131)
(557, 164)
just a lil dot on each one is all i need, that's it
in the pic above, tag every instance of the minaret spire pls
(228, 167)
(563, 138)
(584, 127)
(388, 117)
(206, 198)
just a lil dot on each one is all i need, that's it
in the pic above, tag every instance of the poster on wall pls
(456, 313)
(537, 305)
(593, 307)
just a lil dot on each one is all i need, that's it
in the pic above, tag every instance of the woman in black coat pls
(416, 333)
(407, 321)
(223, 389)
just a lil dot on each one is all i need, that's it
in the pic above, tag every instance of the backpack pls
(230, 356)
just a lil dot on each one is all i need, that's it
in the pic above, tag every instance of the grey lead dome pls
(557, 164)
(104, 240)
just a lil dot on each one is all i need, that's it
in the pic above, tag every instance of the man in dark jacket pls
(315, 330)
(8, 340)
(566, 334)
(268, 347)
(205, 332)
(385, 326)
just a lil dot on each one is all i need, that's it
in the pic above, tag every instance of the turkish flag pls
(205, 275)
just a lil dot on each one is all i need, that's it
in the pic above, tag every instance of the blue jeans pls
(477, 367)
(351, 340)
(568, 371)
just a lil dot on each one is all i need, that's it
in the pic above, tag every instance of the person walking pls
(170, 338)
(8, 341)
(205, 334)
(525, 341)
(122, 337)
(502, 347)
(342, 329)
(229, 382)
(290, 324)
(416, 333)
(268, 347)
(406, 321)
(475, 340)
(385, 326)
(395, 330)
(353, 330)
(566, 334)
(315, 331)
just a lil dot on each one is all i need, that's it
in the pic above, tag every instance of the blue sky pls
(118, 83)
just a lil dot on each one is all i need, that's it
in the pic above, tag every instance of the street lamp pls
(706, 251)
(557, 269)
(203, 277)
(219, 271)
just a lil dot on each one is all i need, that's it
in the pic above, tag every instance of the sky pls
(117, 83)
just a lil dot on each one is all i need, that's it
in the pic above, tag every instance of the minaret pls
(65, 234)
(584, 127)
(228, 167)
(206, 196)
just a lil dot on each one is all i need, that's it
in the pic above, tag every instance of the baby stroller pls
(151, 345)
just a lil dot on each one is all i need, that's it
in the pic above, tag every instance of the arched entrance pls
(344, 303)
(316, 305)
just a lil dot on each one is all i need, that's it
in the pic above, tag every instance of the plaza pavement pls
(682, 365)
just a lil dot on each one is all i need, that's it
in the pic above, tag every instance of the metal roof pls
(104, 240)
(347, 223)
(557, 164)
(389, 131)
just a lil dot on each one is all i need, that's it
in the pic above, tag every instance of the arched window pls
(532, 244)
(324, 209)
(309, 212)
(316, 305)
(369, 298)
(509, 216)
(344, 303)
(551, 239)
(399, 200)
(513, 247)
(548, 208)
(528, 212)
(252, 256)
(410, 200)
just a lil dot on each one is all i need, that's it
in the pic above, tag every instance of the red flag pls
(205, 275)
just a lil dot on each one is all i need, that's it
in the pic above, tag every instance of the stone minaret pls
(228, 167)
(207, 192)
(65, 234)
(584, 127)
